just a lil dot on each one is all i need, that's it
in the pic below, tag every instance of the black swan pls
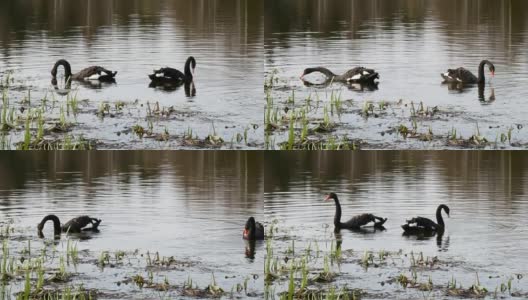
(75, 225)
(422, 225)
(355, 75)
(90, 73)
(357, 221)
(253, 230)
(170, 75)
(462, 75)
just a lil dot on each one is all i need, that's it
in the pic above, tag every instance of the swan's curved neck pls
(67, 68)
(187, 70)
(326, 72)
(56, 224)
(481, 77)
(337, 217)
(439, 218)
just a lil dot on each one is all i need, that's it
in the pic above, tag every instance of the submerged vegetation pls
(324, 120)
(324, 270)
(53, 270)
(67, 122)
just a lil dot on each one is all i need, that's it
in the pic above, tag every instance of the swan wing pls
(94, 73)
(360, 220)
(259, 230)
(168, 73)
(361, 74)
(461, 75)
(77, 224)
(464, 75)
(422, 222)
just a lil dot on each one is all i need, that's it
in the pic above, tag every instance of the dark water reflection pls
(136, 37)
(486, 192)
(409, 43)
(190, 205)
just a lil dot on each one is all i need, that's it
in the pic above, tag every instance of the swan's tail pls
(370, 77)
(380, 222)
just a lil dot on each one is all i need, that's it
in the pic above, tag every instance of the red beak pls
(492, 73)
(327, 198)
(245, 232)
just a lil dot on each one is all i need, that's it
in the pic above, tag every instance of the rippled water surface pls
(486, 232)
(192, 206)
(134, 38)
(409, 43)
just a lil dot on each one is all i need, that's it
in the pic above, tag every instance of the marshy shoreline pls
(320, 268)
(307, 118)
(32, 268)
(71, 122)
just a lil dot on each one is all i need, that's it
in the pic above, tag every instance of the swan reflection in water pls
(169, 87)
(250, 248)
(356, 87)
(466, 88)
(442, 241)
(66, 88)
(63, 90)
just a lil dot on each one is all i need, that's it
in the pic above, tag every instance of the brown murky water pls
(409, 43)
(135, 37)
(486, 232)
(189, 205)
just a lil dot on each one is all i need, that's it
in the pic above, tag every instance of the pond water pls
(485, 233)
(409, 43)
(134, 38)
(188, 205)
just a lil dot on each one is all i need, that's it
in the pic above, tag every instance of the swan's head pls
(193, 64)
(250, 225)
(307, 71)
(445, 208)
(331, 196)
(492, 69)
(40, 226)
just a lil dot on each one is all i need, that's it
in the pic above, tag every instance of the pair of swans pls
(415, 225)
(162, 76)
(252, 231)
(366, 76)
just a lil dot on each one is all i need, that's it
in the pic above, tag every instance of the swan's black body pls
(170, 75)
(462, 75)
(421, 224)
(90, 73)
(253, 230)
(355, 75)
(74, 225)
(357, 221)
